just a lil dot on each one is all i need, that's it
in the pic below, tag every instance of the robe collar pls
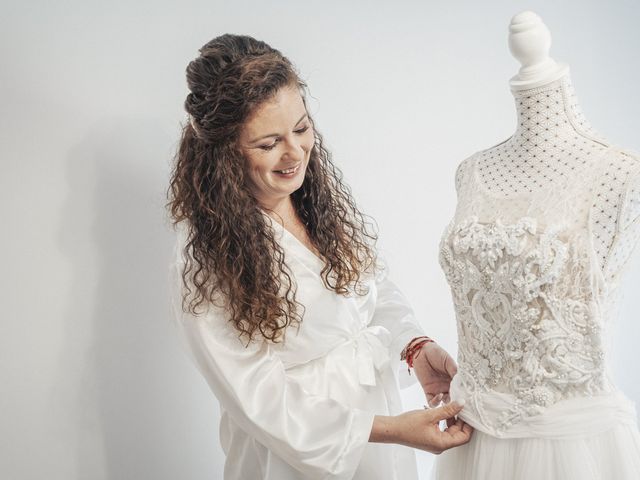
(291, 244)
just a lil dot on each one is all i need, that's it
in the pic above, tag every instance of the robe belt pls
(371, 348)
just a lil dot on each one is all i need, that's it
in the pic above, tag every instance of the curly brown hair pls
(226, 232)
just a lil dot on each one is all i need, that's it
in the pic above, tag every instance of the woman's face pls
(277, 136)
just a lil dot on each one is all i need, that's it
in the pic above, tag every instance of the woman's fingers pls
(422, 428)
(454, 425)
(435, 400)
(457, 434)
(450, 366)
(446, 411)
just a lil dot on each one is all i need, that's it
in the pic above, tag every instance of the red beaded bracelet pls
(410, 350)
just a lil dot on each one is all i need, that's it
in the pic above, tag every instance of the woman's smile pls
(289, 172)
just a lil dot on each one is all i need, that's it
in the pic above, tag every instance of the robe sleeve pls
(317, 435)
(394, 312)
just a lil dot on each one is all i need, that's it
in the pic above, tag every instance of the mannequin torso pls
(554, 144)
(544, 224)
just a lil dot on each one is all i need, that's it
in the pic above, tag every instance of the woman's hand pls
(421, 429)
(434, 369)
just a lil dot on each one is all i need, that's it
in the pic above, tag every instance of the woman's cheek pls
(310, 142)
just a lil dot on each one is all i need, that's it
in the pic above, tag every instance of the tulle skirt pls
(595, 439)
(613, 455)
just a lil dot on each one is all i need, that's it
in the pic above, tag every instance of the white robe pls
(304, 409)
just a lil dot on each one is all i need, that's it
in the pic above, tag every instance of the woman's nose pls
(294, 150)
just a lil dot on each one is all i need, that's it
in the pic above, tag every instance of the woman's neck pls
(281, 210)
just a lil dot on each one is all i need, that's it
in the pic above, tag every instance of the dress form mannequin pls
(554, 141)
(544, 224)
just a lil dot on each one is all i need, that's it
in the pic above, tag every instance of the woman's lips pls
(289, 171)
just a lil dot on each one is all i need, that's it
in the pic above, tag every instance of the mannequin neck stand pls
(548, 113)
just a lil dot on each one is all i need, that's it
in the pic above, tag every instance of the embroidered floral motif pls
(526, 320)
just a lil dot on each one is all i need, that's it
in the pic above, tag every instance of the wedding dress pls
(544, 227)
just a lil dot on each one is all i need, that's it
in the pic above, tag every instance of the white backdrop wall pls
(94, 382)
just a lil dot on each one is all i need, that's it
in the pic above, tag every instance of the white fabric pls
(304, 409)
(535, 294)
(611, 455)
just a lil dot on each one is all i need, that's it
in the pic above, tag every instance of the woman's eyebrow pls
(277, 134)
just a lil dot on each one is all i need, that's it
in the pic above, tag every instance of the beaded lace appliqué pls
(527, 322)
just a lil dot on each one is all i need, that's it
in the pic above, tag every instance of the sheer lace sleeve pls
(627, 234)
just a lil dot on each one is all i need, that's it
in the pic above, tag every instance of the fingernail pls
(461, 402)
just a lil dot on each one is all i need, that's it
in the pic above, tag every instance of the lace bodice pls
(533, 256)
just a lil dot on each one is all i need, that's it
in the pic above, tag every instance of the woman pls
(278, 290)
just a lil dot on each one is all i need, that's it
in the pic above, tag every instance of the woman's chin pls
(290, 184)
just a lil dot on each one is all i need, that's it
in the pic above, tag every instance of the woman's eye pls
(270, 147)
